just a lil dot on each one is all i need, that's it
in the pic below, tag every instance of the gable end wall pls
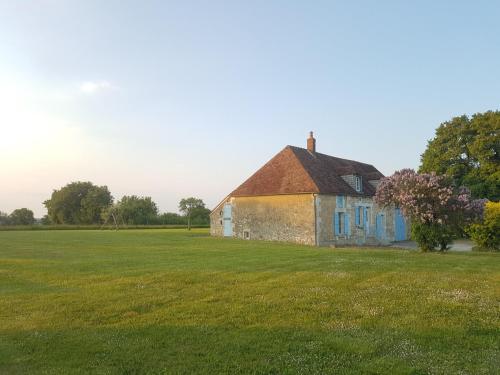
(288, 218)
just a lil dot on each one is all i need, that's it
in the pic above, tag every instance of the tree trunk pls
(114, 219)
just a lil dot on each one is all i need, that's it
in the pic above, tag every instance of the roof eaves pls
(220, 203)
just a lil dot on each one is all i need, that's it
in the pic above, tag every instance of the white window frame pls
(357, 183)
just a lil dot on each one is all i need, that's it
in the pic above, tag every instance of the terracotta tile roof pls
(296, 170)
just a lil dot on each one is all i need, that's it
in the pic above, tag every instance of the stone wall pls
(326, 206)
(292, 218)
(216, 217)
(287, 218)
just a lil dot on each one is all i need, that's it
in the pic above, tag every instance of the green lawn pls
(169, 301)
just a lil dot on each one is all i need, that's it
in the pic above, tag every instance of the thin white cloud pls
(91, 87)
(41, 147)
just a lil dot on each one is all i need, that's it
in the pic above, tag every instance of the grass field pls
(169, 301)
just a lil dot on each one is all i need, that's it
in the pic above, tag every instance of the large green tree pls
(22, 216)
(193, 208)
(200, 216)
(468, 150)
(137, 210)
(78, 203)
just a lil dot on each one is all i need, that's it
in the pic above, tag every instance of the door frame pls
(227, 220)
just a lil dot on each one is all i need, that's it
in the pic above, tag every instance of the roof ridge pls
(294, 170)
(339, 177)
(304, 168)
(328, 173)
(334, 157)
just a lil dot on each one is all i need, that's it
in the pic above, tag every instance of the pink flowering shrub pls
(436, 209)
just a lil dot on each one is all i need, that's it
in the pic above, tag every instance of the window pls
(357, 182)
(359, 216)
(340, 201)
(246, 235)
(341, 224)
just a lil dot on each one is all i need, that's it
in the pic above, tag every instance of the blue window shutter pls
(365, 219)
(358, 208)
(336, 223)
(347, 227)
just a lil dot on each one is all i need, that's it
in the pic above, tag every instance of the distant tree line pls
(83, 203)
(20, 216)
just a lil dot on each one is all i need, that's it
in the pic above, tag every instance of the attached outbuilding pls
(306, 197)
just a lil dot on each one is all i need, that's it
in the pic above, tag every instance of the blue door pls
(400, 225)
(228, 222)
(380, 227)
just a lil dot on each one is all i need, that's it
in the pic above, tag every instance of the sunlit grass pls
(172, 301)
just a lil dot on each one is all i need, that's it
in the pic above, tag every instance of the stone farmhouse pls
(306, 197)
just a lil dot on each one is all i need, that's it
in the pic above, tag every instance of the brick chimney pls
(311, 143)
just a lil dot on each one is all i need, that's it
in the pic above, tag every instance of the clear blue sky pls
(174, 99)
